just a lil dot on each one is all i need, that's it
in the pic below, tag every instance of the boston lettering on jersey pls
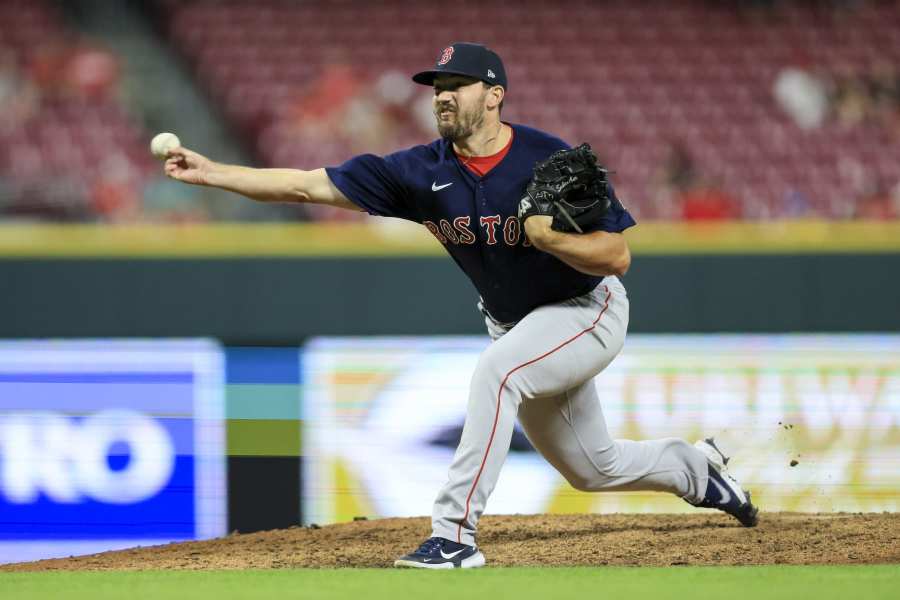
(475, 218)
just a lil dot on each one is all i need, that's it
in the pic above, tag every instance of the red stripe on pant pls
(497, 414)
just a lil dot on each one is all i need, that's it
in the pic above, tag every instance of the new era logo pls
(491, 74)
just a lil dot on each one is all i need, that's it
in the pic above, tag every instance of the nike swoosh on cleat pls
(435, 187)
(726, 495)
(452, 554)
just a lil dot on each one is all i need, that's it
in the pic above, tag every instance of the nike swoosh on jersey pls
(726, 495)
(435, 187)
(452, 554)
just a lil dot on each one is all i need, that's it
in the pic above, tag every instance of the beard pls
(460, 125)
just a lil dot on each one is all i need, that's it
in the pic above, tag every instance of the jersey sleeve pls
(617, 219)
(376, 184)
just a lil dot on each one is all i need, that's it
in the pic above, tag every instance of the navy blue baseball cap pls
(471, 60)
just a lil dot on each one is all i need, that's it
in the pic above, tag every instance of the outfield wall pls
(284, 300)
(279, 284)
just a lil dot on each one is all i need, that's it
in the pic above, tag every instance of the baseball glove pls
(570, 187)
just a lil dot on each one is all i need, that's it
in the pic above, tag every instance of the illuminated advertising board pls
(812, 421)
(109, 444)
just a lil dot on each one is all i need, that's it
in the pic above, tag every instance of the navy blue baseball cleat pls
(723, 492)
(441, 553)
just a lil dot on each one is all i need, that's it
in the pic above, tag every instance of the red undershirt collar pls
(481, 165)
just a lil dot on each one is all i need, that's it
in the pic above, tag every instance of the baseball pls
(162, 143)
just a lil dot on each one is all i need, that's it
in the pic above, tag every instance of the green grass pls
(726, 583)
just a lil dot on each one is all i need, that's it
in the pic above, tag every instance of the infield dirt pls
(539, 540)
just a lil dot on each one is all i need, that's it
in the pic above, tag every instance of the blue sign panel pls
(109, 444)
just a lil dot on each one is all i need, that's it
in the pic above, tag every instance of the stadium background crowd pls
(704, 110)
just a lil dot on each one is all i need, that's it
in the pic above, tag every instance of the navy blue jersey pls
(475, 218)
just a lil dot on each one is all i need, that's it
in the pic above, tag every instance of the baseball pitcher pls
(537, 227)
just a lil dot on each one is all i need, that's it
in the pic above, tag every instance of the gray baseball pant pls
(542, 370)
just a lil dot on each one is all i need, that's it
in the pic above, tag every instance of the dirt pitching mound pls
(539, 540)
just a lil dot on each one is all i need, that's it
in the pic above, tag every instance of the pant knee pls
(581, 483)
(608, 461)
(603, 467)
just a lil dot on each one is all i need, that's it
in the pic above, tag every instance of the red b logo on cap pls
(446, 56)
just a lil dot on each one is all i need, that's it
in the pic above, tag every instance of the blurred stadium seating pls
(677, 97)
(68, 149)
